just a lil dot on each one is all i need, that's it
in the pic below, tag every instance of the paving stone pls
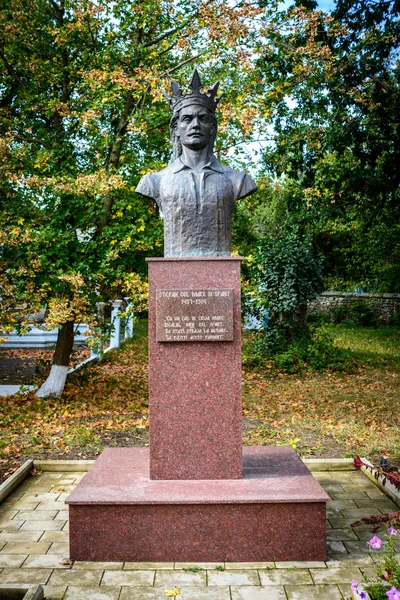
(127, 578)
(341, 534)
(26, 548)
(346, 559)
(60, 548)
(229, 566)
(373, 506)
(352, 561)
(92, 593)
(171, 579)
(78, 578)
(342, 495)
(375, 493)
(11, 524)
(20, 536)
(192, 565)
(83, 564)
(32, 576)
(342, 504)
(42, 496)
(358, 547)
(62, 515)
(55, 536)
(345, 588)
(44, 561)
(335, 575)
(37, 515)
(143, 566)
(186, 593)
(319, 592)
(368, 573)
(42, 525)
(332, 487)
(12, 560)
(50, 476)
(337, 547)
(54, 592)
(355, 487)
(270, 592)
(24, 505)
(289, 577)
(58, 505)
(311, 564)
(39, 488)
(7, 515)
(245, 577)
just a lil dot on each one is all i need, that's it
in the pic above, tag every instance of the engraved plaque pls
(194, 315)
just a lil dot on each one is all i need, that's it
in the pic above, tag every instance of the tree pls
(331, 84)
(81, 119)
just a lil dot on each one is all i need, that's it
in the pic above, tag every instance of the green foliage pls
(314, 349)
(331, 86)
(288, 274)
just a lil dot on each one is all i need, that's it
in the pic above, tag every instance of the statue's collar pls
(213, 164)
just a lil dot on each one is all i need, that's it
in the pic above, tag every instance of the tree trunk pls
(300, 317)
(55, 382)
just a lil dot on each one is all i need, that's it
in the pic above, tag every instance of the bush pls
(314, 349)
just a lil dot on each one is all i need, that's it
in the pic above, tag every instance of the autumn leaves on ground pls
(320, 414)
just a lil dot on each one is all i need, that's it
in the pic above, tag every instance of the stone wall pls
(383, 305)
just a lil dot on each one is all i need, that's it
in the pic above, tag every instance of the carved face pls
(195, 127)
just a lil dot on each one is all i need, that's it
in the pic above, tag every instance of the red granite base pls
(275, 513)
(195, 388)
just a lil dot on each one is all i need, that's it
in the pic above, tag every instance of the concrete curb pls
(15, 479)
(329, 464)
(13, 591)
(387, 489)
(63, 465)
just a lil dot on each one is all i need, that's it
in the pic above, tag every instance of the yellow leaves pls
(113, 242)
(172, 593)
(129, 239)
(21, 221)
(119, 213)
(141, 228)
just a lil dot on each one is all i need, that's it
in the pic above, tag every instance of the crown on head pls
(197, 95)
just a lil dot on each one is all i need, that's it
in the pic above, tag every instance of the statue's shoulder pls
(149, 185)
(243, 184)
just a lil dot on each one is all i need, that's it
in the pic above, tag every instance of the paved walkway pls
(34, 549)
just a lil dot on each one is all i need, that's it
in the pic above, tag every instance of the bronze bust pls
(196, 193)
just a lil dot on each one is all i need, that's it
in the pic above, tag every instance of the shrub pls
(314, 349)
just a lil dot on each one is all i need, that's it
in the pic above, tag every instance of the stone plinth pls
(275, 513)
(195, 386)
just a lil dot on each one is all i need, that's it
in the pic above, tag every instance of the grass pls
(319, 414)
(333, 414)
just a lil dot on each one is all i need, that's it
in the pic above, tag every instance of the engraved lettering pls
(194, 315)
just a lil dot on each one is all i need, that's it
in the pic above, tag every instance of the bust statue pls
(195, 193)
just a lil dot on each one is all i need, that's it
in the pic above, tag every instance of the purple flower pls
(375, 543)
(354, 588)
(392, 530)
(393, 594)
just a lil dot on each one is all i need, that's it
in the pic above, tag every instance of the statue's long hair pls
(176, 143)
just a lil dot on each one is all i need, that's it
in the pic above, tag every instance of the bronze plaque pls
(194, 315)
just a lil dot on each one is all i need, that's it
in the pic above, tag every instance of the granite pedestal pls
(195, 386)
(275, 513)
(196, 495)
